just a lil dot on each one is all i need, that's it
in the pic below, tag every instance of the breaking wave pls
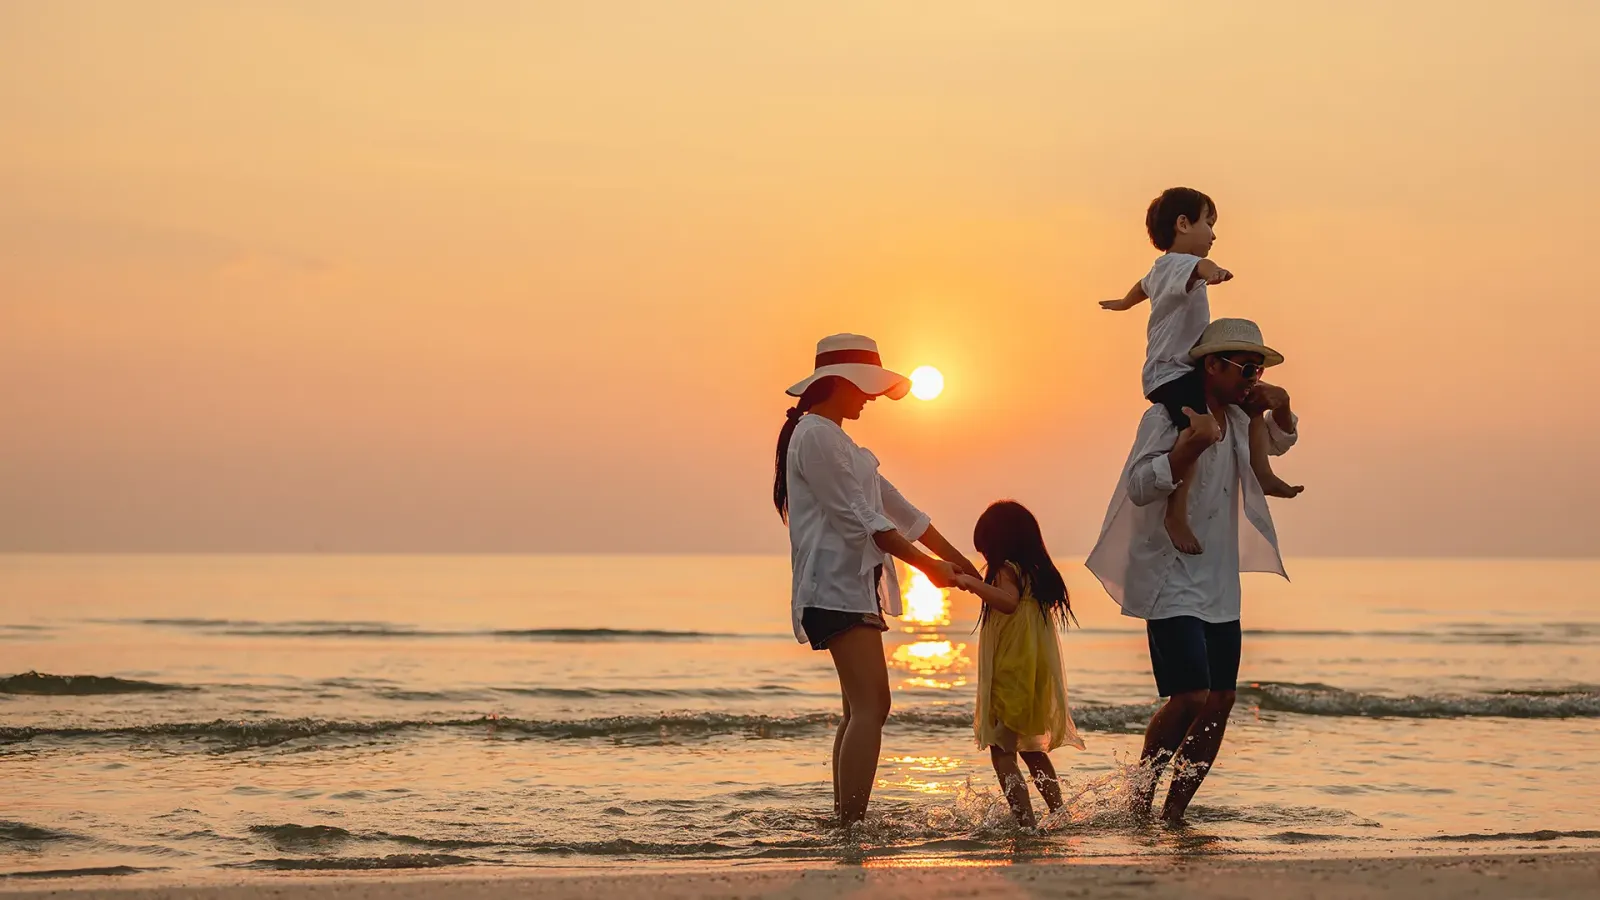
(365, 629)
(80, 685)
(1326, 700)
(668, 726)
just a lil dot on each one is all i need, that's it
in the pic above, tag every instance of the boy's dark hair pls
(1161, 220)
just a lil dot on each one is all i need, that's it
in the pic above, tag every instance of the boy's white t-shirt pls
(1178, 316)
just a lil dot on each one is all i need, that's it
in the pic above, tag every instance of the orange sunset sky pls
(532, 276)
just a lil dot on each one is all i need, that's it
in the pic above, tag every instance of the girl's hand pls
(968, 583)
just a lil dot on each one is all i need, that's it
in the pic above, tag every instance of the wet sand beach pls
(1545, 875)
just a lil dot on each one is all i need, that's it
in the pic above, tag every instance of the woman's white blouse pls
(837, 502)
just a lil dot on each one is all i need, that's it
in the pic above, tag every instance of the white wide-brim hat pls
(1234, 336)
(855, 358)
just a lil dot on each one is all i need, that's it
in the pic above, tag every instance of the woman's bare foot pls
(1178, 529)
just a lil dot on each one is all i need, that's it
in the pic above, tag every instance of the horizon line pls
(1450, 557)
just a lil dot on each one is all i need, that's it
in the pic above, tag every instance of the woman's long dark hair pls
(816, 393)
(1008, 533)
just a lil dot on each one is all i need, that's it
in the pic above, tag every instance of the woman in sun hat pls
(846, 522)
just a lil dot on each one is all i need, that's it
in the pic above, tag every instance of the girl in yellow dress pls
(1022, 692)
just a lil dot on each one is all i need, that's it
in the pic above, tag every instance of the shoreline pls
(1545, 874)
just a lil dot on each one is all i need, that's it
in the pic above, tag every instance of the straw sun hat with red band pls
(855, 358)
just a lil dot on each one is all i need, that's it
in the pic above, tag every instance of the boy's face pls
(1197, 237)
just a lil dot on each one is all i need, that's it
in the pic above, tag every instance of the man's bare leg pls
(1162, 738)
(1197, 754)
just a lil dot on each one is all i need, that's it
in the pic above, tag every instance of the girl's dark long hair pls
(1008, 533)
(816, 393)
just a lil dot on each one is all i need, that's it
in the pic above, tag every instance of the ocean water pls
(219, 715)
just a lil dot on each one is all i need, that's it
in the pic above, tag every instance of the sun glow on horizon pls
(924, 603)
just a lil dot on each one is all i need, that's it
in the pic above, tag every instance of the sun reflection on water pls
(939, 665)
(930, 657)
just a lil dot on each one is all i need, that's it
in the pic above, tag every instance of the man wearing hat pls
(1190, 603)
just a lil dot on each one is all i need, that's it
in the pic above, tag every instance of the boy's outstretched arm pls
(1209, 272)
(1135, 296)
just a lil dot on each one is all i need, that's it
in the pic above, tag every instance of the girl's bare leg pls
(864, 679)
(1044, 777)
(1014, 786)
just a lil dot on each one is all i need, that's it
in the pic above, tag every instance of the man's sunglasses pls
(1247, 371)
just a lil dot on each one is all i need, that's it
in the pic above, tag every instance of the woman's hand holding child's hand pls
(941, 573)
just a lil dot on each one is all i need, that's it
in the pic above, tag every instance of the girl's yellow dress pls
(1022, 690)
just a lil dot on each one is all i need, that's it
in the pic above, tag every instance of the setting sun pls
(926, 383)
(925, 604)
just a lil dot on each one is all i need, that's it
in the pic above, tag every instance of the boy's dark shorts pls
(1191, 654)
(1188, 390)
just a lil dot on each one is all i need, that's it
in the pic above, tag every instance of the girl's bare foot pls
(1178, 529)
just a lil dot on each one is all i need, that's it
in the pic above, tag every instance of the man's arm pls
(1134, 297)
(1163, 450)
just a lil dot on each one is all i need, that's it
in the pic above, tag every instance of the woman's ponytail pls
(816, 393)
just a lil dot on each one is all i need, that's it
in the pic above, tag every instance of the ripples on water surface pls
(227, 714)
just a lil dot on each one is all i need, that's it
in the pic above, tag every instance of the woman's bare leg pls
(864, 680)
(838, 741)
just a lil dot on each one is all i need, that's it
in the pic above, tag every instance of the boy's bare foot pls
(1277, 487)
(1182, 537)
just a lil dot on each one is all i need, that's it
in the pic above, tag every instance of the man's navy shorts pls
(1191, 654)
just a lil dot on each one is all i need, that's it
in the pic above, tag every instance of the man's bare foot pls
(1182, 537)
(1277, 487)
